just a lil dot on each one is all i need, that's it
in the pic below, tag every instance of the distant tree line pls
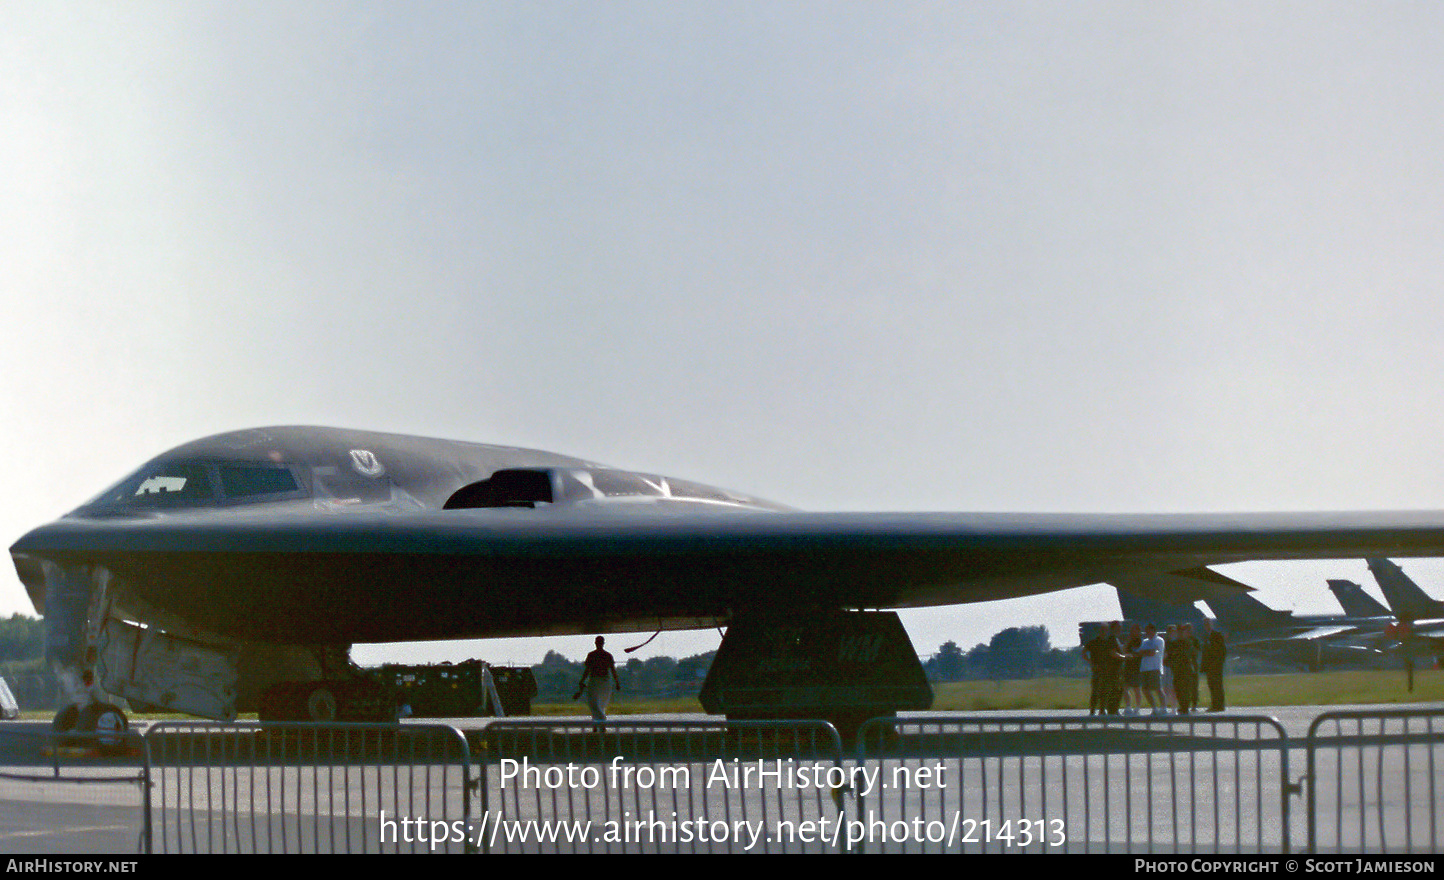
(1016, 652)
(22, 648)
(22, 639)
(557, 677)
(22, 661)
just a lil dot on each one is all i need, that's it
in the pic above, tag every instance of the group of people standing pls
(1162, 668)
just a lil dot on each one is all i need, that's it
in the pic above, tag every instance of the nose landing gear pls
(101, 725)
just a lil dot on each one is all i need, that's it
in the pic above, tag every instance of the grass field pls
(1292, 689)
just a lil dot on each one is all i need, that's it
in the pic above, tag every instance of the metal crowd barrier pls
(1031, 785)
(915, 784)
(1377, 775)
(69, 792)
(306, 788)
(669, 787)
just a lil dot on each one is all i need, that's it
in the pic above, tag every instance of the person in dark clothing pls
(599, 675)
(1132, 684)
(1170, 697)
(1182, 657)
(1214, 650)
(1105, 656)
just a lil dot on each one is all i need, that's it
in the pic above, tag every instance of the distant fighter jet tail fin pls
(1356, 602)
(1141, 609)
(1405, 598)
(1243, 612)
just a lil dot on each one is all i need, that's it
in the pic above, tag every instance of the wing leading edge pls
(296, 574)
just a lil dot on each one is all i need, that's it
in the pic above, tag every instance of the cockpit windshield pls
(583, 485)
(245, 481)
(199, 483)
(169, 485)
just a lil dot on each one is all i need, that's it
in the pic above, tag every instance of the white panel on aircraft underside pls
(151, 666)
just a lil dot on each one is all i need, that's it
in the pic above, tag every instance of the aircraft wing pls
(1314, 654)
(1325, 632)
(298, 573)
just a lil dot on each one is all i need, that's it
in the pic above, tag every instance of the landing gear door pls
(153, 667)
(820, 665)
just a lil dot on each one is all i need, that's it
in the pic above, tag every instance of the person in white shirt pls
(1150, 668)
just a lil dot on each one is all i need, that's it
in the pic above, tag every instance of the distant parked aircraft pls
(1420, 616)
(1356, 602)
(1254, 628)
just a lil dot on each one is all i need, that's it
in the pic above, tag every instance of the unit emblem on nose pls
(366, 463)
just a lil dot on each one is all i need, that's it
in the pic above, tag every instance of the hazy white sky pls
(984, 256)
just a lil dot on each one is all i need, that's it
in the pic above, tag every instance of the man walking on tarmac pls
(599, 675)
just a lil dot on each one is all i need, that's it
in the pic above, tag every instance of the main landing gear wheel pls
(106, 722)
(327, 701)
(64, 720)
(321, 704)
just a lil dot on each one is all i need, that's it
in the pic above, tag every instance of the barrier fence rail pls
(1025, 784)
(638, 786)
(1376, 774)
(71, 805)
(287, 788)
(959, 783)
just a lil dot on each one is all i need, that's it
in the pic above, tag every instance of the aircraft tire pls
(65, 720)
(322, 704)
(109, 725)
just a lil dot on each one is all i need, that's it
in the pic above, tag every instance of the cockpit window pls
(688, 489)
(581, 485)
(192, 483)
(164, 486)
(245, 481)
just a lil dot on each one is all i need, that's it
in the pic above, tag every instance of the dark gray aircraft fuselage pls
(318, 536)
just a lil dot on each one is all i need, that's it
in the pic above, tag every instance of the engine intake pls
(517, 487)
